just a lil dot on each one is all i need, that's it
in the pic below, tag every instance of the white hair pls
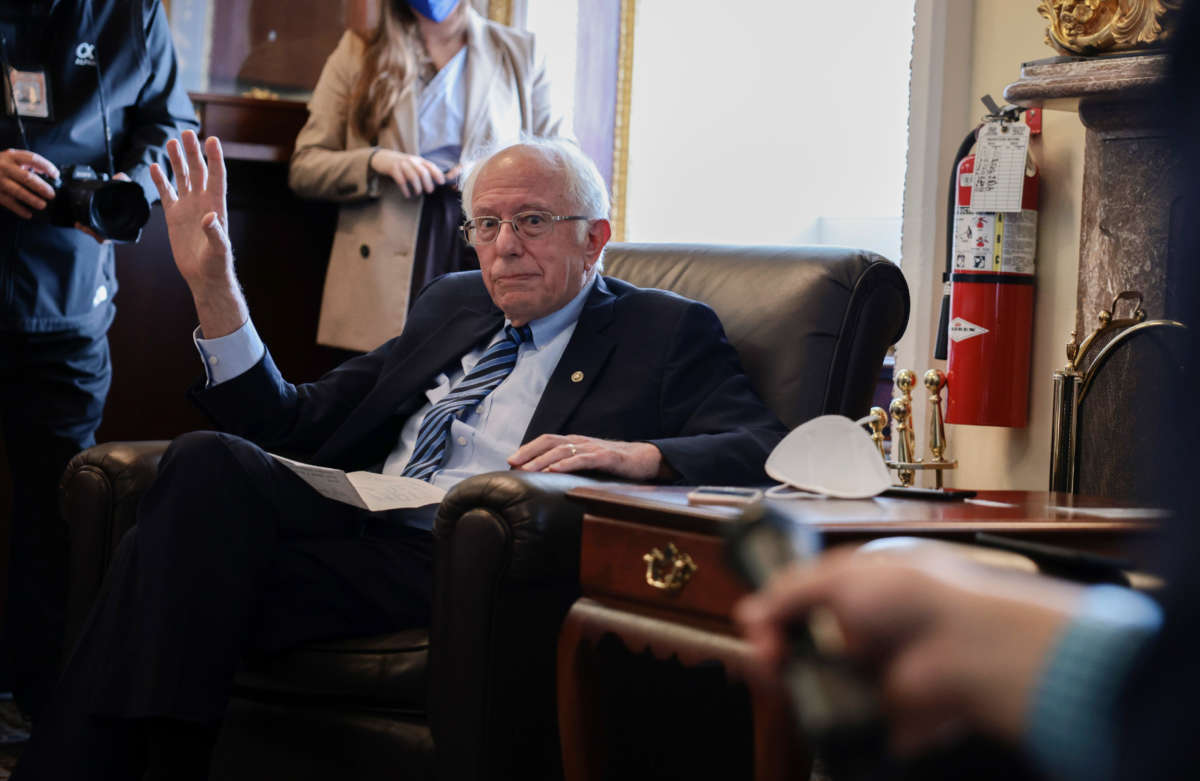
(585, 185)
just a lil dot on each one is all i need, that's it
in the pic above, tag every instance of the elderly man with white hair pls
(536, 362)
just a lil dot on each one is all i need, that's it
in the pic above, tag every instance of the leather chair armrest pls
(98, 497)
(506, 570)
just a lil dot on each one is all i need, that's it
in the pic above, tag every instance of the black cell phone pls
(833, 702)
(935, 494)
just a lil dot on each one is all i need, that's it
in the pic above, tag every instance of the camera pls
(112, 208)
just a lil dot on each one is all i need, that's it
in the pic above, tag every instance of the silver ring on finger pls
(574, 450)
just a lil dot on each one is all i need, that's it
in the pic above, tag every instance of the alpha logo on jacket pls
(85, 54)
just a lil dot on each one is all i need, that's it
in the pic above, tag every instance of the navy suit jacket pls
(642, 365)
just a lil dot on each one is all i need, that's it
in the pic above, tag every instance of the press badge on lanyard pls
(30, 91)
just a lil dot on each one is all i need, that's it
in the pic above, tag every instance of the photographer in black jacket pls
(75, 71)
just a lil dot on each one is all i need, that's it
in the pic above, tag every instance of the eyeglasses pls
(527, 225)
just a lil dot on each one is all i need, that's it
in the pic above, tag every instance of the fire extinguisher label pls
(961, 330)
(1019, 242)
(989, 242)
(974, 236)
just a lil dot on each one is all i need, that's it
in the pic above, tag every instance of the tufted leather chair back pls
(811, 324)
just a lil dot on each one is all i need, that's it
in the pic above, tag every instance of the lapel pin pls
(577, 377)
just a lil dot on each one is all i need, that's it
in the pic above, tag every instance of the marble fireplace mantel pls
(1129, 209)
(1064, 82)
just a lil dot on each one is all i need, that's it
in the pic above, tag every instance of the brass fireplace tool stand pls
(906, 463)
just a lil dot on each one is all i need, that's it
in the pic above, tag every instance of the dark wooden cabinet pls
(271, 44)
(253, 129)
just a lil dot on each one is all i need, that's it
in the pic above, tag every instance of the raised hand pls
(198, 228)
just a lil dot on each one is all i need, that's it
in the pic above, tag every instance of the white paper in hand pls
(368, 490)
(829, 455)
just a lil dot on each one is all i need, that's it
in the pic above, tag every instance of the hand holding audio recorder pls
(836, 707)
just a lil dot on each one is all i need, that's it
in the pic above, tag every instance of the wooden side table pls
(691, 626)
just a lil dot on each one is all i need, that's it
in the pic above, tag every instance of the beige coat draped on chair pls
(370, 267)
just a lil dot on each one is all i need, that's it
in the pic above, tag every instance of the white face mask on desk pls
(830, 455)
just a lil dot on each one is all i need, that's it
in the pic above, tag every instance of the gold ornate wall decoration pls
(1099, 26)
(621, 117)
(500, 11)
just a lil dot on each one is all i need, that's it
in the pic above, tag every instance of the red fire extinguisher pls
(991, 307)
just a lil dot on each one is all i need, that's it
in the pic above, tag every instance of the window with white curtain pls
(759, 122)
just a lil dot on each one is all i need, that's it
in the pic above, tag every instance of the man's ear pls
(598, 234)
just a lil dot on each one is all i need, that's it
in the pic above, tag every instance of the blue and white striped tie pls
(434, 433)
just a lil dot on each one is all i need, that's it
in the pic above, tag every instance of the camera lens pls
(119, 209)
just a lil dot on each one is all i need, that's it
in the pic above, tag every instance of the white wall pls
(1005, 34)
(940, 86)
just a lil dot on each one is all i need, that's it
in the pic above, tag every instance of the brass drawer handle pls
(668, 571)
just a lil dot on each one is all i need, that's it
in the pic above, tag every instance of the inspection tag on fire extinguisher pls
(1000, 167)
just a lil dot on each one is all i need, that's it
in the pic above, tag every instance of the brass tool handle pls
(668, 571)
(1108, 322)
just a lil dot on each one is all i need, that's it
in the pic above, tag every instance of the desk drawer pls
(612, 564)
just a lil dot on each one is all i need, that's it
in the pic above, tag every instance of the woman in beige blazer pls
(362, 148)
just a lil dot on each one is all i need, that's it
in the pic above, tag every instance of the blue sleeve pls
(1072, 724)
(163, 109)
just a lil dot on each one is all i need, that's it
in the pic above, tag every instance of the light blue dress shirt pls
(441, 112)
(484, 439)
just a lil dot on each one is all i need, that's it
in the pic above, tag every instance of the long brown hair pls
(390, 63)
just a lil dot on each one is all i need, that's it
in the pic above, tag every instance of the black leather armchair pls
(473, 697)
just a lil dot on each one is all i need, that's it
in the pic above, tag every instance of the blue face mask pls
(436, 10)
